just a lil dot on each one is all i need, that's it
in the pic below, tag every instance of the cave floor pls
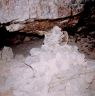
(16, 69)
(16, 77)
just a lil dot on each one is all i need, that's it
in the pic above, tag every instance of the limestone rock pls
(14, 27)
(56, 36)
(49, 71)
(27, 39)
(39, 9)
(6, 54)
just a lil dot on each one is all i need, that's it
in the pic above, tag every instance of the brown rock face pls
(44, 14)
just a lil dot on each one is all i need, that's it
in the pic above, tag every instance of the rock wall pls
(38, 9)
(22, 17)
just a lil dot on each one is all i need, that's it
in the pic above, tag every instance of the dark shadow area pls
(84, 31)
(86, 20)
(14, 38)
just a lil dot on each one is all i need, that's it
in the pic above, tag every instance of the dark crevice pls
(87, 20)
(84, 31)
(14, 38)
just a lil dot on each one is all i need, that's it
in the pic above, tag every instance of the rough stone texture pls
(48, 71)
(39, 9)
(42, 15)
(38, 26)
(6, 54)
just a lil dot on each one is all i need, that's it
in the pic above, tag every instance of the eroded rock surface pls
(39, 9)
(6, 54)
(59, 70)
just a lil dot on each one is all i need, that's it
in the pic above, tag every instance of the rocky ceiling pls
(20, 10)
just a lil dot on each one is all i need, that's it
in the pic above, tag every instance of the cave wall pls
(38, 9)
(77, 17)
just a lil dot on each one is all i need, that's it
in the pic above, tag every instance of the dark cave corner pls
(84, 31)
(15, 38)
